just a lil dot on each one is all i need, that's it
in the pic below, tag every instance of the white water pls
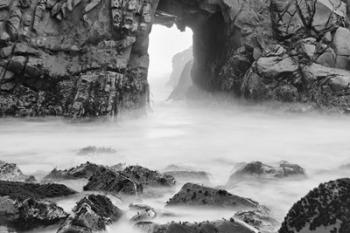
(205, 135)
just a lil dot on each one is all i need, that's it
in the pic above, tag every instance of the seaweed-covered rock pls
(325, 209)
(92, 213)
(198, 195)
(107, 180)
(261, 170)
(29, 213)
(10, 172)
(148, 177)
(21, 191)
(85, 170)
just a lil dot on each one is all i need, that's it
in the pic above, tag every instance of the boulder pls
(261, 170)
(85, 170)
(198, 195)
(10, 172)
(29, 213)
(21, 191)
(107, 180)
(259, 219)
(324, 209)
(147, 177)
(91, 214)
(341, 41)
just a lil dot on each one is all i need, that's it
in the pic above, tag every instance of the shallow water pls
(204, 135)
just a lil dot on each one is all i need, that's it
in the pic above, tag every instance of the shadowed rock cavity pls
(89, 58)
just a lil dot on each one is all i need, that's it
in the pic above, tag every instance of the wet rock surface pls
(11, 172)
(91, 214)
(261, 170)
(21, 191)
(198, 195)
(324, 209)
(29, 213)
(144, 213)
(89, 58)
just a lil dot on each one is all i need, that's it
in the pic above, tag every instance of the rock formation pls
(325, 209)
(83, 58)
(265, 171)
(22, 191)
(179, 61)
(260, 219)
(29, 213)
(10, 172)
(91, 214)
(198, 195)
(221, 226)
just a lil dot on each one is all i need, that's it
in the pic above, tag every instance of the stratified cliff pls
(89, 57)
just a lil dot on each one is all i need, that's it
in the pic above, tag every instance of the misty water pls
(206, 134)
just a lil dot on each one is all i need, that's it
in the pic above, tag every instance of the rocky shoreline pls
(25, 206)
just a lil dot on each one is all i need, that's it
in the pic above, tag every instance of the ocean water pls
(206, 134)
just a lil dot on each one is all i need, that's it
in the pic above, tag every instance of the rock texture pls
(10, 172)
(91, 214)
(29, 213)
(85, 170)
(261, 170)
(89, 57)
(198, 195)
(22, 191)
(222, 226)
(325, 209)
(260, 219)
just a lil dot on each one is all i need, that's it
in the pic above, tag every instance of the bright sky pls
(164, 44)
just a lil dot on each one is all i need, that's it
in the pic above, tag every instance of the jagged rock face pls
(10, 172)
(29, 214)
(198, 195)
(92, 213)
(115, 182)
(22, 191)
(325, 209)
(148, 177)
(89, 58)
(85, 170)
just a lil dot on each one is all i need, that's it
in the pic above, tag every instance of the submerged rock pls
(10, 172)
(96, 150)
(325, 209)
(189, 176)
(115, 182)
(29, 213)
(85, 170)
(198, 195)
(92, 213)
(21, 191)
(261, 170)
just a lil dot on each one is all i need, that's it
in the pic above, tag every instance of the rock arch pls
(89, 57)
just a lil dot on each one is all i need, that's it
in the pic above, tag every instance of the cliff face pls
(89, 57)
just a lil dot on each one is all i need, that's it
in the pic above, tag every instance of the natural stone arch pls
(89, 57)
